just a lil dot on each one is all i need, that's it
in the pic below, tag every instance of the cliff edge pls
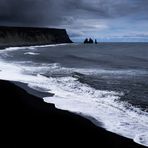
(23, 36)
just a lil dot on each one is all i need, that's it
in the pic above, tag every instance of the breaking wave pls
(31, 53)
(70, 94)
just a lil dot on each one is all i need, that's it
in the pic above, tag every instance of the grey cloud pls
(49, 12)
(74, 15)
(29, 12)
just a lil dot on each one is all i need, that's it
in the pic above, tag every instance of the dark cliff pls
(21, 36)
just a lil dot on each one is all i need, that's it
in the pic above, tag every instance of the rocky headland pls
(26, 36)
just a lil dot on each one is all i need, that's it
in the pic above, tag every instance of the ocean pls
(106, 83)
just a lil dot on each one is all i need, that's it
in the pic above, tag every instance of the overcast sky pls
(106, 20)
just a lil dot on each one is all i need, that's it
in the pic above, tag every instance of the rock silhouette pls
(89, 41)
(86, 40)
(21, 36)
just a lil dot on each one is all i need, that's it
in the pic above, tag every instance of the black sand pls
(26, 120)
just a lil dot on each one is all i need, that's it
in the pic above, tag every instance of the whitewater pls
(81, 89)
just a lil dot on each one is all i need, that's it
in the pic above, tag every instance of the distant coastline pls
(29, 36)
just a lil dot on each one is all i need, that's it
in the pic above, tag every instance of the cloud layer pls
(97, 18)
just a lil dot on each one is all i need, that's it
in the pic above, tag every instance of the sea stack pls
(89, 41)
(24, 36)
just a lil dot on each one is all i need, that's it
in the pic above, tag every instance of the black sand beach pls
(26, 120)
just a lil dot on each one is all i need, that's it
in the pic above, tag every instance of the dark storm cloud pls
(77, 16)
(29, 12)
(40, 12)
(49, 12)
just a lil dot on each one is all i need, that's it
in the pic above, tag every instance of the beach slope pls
(27, 120)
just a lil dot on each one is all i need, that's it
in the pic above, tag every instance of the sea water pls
(107, 82)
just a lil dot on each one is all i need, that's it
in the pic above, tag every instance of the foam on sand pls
(70, 94)
(104, 106)
(142, 139)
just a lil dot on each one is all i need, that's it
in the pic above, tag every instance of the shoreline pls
(3, 47)
(27, 120)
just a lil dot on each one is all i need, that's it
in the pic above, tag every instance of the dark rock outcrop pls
(88, 41)
(20, 36)
(91, 40)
